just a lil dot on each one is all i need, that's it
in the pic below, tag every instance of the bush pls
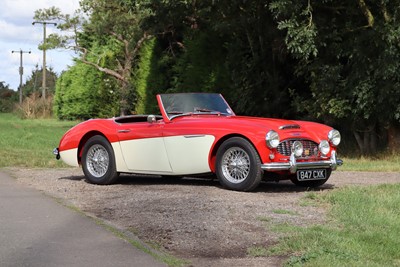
(34, 107)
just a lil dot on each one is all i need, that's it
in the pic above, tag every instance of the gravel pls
(191, 218)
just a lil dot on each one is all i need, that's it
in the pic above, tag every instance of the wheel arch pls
(213, 154)
(84, 139)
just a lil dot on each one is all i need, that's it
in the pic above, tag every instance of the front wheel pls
(98, 161)
(238, 166)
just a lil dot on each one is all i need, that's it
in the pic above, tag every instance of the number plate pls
(306, 175)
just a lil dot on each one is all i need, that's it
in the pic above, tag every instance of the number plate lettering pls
(304, 175)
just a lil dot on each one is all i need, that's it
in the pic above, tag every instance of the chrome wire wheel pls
(97, 160)
(235, 165)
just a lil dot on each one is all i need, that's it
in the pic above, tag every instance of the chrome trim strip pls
(124, 131)
(194, 135)
(289, 126)
(293, 165)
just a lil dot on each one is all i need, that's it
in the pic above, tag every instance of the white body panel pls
(70, 157)
(146, 155)
(119, 158)
(189, 154)
(175, 155)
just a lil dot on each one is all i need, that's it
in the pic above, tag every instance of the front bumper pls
(56, 152)
(293, 165)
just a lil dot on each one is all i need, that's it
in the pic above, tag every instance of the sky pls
(17, 32)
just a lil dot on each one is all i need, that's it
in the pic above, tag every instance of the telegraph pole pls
(21, 72)
(44, 54)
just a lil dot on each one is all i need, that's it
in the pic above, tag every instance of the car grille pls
(310, 148)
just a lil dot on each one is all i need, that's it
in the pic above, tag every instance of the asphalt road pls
(37, 231)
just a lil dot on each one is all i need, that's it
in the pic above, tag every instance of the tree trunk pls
(360, 142)
(367, 140)
(394, 138)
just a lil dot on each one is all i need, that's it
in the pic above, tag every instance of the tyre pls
(98, 161)
(313, 183)
(238, 166)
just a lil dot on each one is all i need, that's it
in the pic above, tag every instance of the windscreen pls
(194, 103)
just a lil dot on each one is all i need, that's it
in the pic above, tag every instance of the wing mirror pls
(151, 119)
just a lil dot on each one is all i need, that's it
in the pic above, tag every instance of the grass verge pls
(29, 143)
(380, 163)
(363, 230)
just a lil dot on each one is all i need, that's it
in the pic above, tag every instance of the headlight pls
(272, 139)
(334, 137)
(297, 148)
(324, 147)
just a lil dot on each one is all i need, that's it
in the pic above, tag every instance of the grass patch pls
(257, 251)
(381, 163)
(364, 230)
(29, 143)
(282, 211)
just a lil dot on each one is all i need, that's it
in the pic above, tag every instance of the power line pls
(21, 72)
(44, 23)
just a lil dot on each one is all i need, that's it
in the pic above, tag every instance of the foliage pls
(8, 98)
(318, 60)
(83, 93)
(142, 72)
(33, 82)
(352, 70)
(111, 22)
(35, 107)
(194, 72)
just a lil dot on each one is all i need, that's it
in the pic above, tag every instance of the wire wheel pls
(235, 165)
(97, 160)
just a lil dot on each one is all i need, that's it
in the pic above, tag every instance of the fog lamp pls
(297, 149)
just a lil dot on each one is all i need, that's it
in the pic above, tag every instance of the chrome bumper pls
(56, 153)
(293, 165)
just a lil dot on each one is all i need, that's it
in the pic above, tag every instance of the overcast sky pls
(17, 32)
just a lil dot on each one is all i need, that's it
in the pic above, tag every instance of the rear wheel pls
(238, 166)
(313, 183)
(98, 161)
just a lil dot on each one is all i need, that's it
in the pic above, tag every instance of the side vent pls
(289, 126)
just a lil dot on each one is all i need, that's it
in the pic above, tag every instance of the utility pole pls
(21, 72)
(44, 54)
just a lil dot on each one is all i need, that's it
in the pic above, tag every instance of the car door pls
(143, 148)
(188, 147)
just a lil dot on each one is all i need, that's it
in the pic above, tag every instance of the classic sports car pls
(198, 133)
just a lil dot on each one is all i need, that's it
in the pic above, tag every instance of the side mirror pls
(151, 119)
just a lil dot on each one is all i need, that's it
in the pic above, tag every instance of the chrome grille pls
(310, 148)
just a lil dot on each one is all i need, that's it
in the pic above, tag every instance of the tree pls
(82, 92)
(8, 97)
(349, 54)
(114, 26)
(34, 82)
(232, 47)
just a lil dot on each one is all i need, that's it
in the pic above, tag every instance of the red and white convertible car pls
(198, 133)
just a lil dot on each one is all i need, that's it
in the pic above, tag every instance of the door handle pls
(124, 131)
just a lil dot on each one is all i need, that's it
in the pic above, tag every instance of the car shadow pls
(285, 186)
(73, 178)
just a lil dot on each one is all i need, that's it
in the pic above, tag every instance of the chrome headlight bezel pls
(324, 147)
(272, 139)
(334, 137)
